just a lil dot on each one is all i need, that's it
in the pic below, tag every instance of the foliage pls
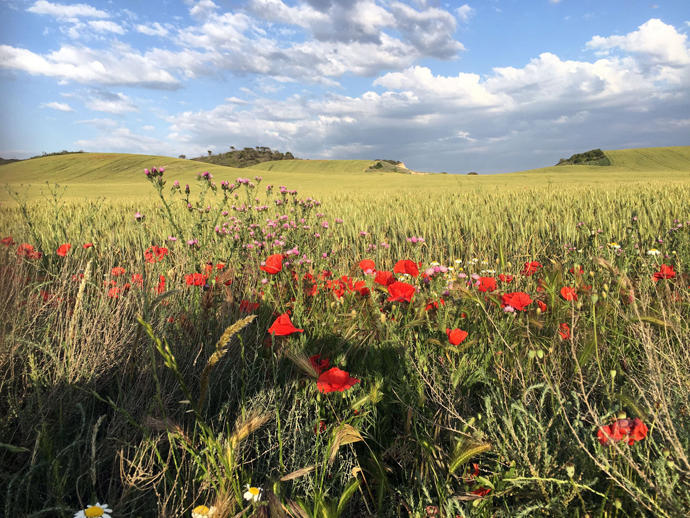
(592, 157)
(245, 157)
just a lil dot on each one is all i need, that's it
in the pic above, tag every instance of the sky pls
(485, 85)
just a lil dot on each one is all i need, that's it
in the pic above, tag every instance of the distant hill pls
(315, 166)
(246, 157)
(4, 161)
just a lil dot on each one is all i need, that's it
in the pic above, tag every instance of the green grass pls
(137, 401)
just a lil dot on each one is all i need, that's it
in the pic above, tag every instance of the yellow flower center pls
(254, 491)
(201, 509)
(94, 511)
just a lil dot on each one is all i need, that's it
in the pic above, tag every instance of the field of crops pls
(401, 345)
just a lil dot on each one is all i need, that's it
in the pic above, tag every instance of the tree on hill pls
(591, 157)
(246, 157)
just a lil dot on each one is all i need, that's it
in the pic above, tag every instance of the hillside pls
(316, 166)
(675, 158)
(246, 157)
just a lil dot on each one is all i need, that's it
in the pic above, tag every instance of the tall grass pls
(158, 398)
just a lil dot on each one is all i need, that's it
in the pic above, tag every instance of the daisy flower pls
(252, 494)
(93, 511)
(653, 252)
(615, 246)
(201, 511)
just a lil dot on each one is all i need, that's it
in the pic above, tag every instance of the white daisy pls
(201, 511)
(653, 252)
(614, 245)
(94, 511)
(253, 494)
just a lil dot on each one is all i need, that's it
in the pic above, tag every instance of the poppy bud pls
(621, 415)
(613, 373)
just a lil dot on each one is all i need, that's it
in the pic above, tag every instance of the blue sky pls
(488, 86)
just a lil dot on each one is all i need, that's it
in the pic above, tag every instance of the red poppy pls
(335, 380)
(384, 278)
(320, 427)
(137, 278)
(7, 241)
(632, 429)
(564, 331)
(434, 304)
(248, 307)
(483, 491)
(117, 271)
(367, 265)
(531, 267)
(28, 251)
(319, 364)
(400, 291)
(506, 278)
(220, 266)
(195, 279)
(406, 266)
(87, 245)
(638, 431)
(283, 326)
(568, 293)
(580, 271)
(273, 264)
(456, 336)
(161, 284)
(63, 249)
(542, 306)
(114, 292)
(486, 284)
(155, 254)
(361, 288)
(665, 272)
(518, 300)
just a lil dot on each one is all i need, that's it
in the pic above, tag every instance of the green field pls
(120, 176)
(513, 345)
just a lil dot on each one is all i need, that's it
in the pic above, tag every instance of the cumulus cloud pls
(62, 11)
(464, 13)
(121, 65)
(653, 41)
(105, 26)
(125, 141)
(103, 101)
(153, 29)
(63, 107)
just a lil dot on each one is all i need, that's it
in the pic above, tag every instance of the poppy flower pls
(195, 279)
(638, 431)
(361, 288)
(665, 272)
(117, 271)
(160, 288)
(283, 326)
(456, 336)
(28, 251)
(486, 284)
(7, 241)
(564, 331)
(367, 265)
(531, 267)
(319, 364)
(483, 491)
(623, 429)
(138, 279)
(155, 254)
(518, 300)
(63, 249)
(400, 291)
(568, 293)
(406, 266)
(434, 304)
(114, 292)
(248, 307)
(506, 278)
(273, 264)
(335, 380)
(384, 278)
(87, 245)
(542, 306)
(580, 271)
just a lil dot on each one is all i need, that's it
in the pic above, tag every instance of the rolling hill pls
(120, 176)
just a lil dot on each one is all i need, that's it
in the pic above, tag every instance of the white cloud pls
(654, 41)
(202, 9)
(116, 103)
(121, 65)
(153, 29)
(63, 107)
(106, 26)
(63, 11)
(125, 141)
(464, 12)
